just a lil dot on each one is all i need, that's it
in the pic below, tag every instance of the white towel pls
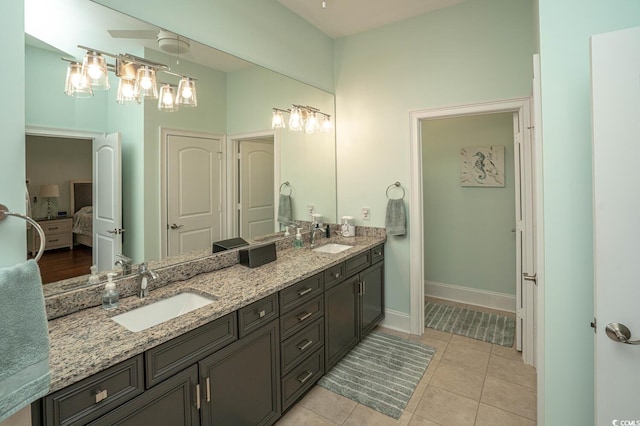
(395, 218)
(285, 215)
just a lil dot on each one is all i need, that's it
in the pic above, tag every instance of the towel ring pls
(4, 212)
(396, 184)
(290, 188)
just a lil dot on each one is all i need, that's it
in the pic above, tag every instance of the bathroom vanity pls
(244, 359)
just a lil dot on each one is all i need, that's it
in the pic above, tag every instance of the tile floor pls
(468, 382)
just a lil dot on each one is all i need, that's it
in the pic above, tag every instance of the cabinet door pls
(341, 320)
(372, 298)
(171, 402)
(241, 383)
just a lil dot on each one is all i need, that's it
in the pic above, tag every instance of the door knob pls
(174, 226)
(620, 333)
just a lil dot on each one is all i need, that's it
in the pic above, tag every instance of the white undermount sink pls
(332, 248)
(163, 310)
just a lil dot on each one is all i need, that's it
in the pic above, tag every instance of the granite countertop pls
(88, 341)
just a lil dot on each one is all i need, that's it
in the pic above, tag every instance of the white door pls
(194, 192)
(107, 201)
(256, 212)
(615, 81)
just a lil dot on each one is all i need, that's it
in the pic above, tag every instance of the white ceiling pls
(347, 17)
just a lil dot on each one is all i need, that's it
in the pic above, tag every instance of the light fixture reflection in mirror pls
(77, 84)
(167, 99)
(277, 121)
(187, 93)
(126, 92)
(94, 66)
(146, 83)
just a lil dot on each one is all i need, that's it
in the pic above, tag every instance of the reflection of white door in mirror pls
(107, 199)
(256, 210)
(194, 192)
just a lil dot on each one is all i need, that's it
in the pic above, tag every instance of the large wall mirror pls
(233, 118)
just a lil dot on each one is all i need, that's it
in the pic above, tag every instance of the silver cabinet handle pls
(305, 345)
(620, 333)
(262, 313)
(208, 389)
(304, 291)
(174, 226)
(304, 316)
(307, 376)
(101, 395)
(198, 396)
(336, 275)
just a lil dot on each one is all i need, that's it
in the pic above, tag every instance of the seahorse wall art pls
(482, 166)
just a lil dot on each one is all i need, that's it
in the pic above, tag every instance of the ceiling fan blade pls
(147, 34)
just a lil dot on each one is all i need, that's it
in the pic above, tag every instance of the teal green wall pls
(306, 161)
(467, 230)
(565, 28)
(263, 32)
(13, 244)
(472, 52)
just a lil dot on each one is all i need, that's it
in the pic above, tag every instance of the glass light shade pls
(326, 124)
(295, 119)
(187, 93)
(146, 86)
(127, 92)
(77, 83)
(94, 67)
(277, 122)
(167, 99)
(311, 125)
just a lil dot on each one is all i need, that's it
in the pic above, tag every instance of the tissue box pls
(258, 255)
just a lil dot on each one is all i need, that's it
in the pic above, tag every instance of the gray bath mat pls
(381, 372)
(491, 328)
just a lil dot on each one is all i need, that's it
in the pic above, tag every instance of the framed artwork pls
(482, 166)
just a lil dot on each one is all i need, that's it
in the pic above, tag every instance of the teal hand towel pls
(395, 219)
(24, 338)
(285, 215)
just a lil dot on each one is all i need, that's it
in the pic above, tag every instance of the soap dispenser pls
(110, 296)
(298, 241)
(94, 278)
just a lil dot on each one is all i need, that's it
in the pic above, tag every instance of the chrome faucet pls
(124, 262)
(144, 275)
(313, 234)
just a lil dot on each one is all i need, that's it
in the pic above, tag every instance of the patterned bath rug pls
(483, 326)
(381, 372)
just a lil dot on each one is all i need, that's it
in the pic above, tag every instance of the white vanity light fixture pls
(126, 91)
(327, 126)
(302, 118)
(277, 121)
(187, 96)
(167, 99)
(94, 66)
(77, 84)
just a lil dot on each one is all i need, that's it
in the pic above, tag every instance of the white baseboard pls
(472, 296)
(396, 320)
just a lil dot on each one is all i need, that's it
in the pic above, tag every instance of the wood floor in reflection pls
(60, 264)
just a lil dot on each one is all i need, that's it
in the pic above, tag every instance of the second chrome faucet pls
(144, 276)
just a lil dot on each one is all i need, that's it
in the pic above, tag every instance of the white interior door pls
(107, 201)
(255, 171)
(194, 192)
(615, 74)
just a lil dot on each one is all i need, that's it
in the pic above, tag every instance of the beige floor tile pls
(506, 352)
(516, 399)
(512, 370)
(446, 408)
(470, 343)
(426, 377)
(298, 415)
(430, 333)
(328, 404)
(421, 421)
(438, 345)
(363, 415)
(393, 332)
(464, 357)
(458, 380)
(492, 416)
(416, 396)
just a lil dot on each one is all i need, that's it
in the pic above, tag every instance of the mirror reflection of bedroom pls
(59, 175)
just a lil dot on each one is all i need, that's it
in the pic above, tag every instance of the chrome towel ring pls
(4, 212)
(397, 185)
(287, 185)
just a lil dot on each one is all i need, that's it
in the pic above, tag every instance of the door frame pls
(165, 132)
(521, 106)
(232, 182)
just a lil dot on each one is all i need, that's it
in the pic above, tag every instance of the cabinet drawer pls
(300, 317)
(301, 344)
(334, 275)
(358, 263)
(95, 395)
(55, 241)
(302, 378)
(301, 292)
(56, 226)
(176, 354)
(377, 254)
(255, 315)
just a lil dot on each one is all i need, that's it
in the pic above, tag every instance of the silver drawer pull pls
(197, 396)
(336, 275)
(304, 291)
(52, 228)
(262, 313)
(305, 345)
(208, 389)
(53, 241)
(377, 253)
(304, 316)
(307, 376)
(101, 395)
